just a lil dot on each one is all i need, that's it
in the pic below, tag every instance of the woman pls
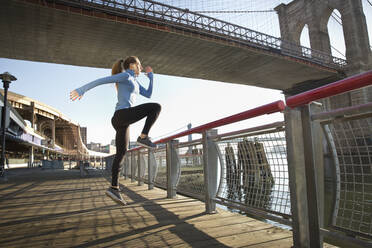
(124, 74)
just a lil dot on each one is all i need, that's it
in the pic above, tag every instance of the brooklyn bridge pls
(311, 173)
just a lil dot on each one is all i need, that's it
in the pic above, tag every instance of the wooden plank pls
(60, 209)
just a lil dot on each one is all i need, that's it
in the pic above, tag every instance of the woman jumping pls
(124, 74)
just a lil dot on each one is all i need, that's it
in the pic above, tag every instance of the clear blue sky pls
(183, 100)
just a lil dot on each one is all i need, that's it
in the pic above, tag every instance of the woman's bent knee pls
(157, 107)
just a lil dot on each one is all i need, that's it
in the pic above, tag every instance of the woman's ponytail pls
(117, 67)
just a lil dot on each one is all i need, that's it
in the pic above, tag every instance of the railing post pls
(125, 166)
(314, 161)
(129, 166)
(210, 168)
(151, 162)
(139, 165)
(81, 165)
(133, 167)
(141, 168)
(302, 159)
(173, 168)
(297, 176)
(122, 165)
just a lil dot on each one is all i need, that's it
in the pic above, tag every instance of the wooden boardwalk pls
(56, 208)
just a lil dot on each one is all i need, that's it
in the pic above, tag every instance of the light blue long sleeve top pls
(128, 87)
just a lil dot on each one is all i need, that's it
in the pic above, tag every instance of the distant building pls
(94, 146)
(212, 132)
(132, 144)
(108, 149)
(83, 132)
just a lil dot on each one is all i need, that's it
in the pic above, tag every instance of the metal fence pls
(350, 142)
(191, 181)
(254, 171)
(312, 172)
(161, 168)
(258, 177)
(335, 202)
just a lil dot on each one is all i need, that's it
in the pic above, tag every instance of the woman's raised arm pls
(79, 92)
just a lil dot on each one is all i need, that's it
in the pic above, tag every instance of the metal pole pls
(133, 168)
(151, 164)
(139, 165)
(7, 79)
(297, 177)
(125, 166)
(210, 162)
(311, 177)
(173, 168)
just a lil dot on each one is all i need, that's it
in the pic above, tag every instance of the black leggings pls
(120, 121)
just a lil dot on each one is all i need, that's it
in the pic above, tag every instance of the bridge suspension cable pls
(343, 55)
(231, 11)
(337, 18)
(254, 14)
(171, 132)
(370, 3)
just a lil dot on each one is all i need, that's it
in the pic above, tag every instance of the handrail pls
(270, 108)
(341, 86)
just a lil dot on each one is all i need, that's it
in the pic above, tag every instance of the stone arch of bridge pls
(316, 13)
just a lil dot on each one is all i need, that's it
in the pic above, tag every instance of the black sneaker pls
(114, 194)
(146, 142)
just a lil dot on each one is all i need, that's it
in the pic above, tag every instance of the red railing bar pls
(253, 129)
(341, 86)
(264, 109)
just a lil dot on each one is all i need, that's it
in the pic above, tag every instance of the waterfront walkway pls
(57, 208)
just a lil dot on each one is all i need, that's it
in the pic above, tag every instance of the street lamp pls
(7, 78)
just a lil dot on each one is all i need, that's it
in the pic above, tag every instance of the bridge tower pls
(316, 13)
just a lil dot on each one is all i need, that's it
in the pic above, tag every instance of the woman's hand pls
(148, 69)
(74, 95)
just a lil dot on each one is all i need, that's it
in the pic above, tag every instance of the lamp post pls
(7, 78)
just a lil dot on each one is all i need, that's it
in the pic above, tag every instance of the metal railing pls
(183, 19)
(182, 165)
(350, 142)
(337, 203)
(191, 168)
(254, 172)
(281, 171)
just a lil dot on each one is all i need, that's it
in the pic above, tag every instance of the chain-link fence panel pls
(192, 172)
(351, 141)
(255, 171)
(161, 172)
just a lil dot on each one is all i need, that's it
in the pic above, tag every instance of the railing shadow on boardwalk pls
(159, 212)
(55, 207)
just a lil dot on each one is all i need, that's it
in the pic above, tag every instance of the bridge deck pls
(86, 36)
(57, 208)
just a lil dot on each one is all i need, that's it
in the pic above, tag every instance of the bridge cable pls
(169, 133)
(226, 11)
(338, 19)
(233, 11)
(370, 3)
(338, 51)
